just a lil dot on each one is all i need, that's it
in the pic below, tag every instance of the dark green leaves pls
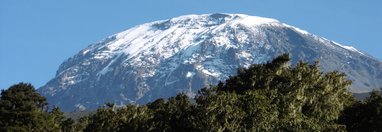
(263, 97)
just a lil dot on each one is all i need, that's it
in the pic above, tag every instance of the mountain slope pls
(186, 53)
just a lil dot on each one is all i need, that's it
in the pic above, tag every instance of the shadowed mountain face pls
(184, 54)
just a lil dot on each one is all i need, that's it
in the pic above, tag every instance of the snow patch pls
(123, 97)
(190, 74)
(210, 72)
(297, 29)
(255, 21)
(80, 107)
(108, 68)
(351, 48)
(324, 40)
(244, 54)
(85, 51)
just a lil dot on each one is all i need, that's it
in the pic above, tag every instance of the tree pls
(23, 109)
(56, 117)
(81, 125)
(302, 97)
(173, 115)
(263, 97)
(364, 115)
(105, 119)
(135, 118)
(68, 125)
(218, 112)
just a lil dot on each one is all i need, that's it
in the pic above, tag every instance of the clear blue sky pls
(37, 35)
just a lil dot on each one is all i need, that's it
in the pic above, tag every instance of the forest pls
(273, 96)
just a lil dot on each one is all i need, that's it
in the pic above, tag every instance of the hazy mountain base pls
(362, 96)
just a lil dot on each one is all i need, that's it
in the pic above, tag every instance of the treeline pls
(263, 97)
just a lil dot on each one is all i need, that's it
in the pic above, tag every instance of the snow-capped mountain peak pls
(142, 37)
(186, 53)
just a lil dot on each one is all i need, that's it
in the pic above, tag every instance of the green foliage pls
(56, 118)
(68, 125)
(22, 109)
(364, 115)
(300, 97)
(173, 115)
(135, 118)
(81, 124)
(263, 97)
(159, 115)
(219, 112)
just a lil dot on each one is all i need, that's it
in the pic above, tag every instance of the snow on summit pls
(183, 31)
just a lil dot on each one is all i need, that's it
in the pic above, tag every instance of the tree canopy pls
(263, 97)
(23, 109)
(273, 96)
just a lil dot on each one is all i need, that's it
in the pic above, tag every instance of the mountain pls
(186, 53)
